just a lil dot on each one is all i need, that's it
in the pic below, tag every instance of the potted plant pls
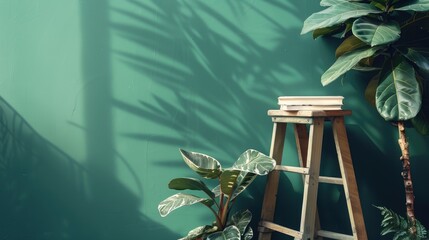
(388, 38)
(220, 200)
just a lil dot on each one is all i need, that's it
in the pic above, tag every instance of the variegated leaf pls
(204, 165)
(254, 162)
(179, 200)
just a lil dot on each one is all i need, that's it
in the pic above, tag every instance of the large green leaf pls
(229, 233)
(254, 162)
(204, 165)
(398, 96)
(345, 63)
(228, 181)
(179, 200)
(416, 5)
(337, 14)
(349, 44)
(374, 32)
(241, 220)
(191, 184)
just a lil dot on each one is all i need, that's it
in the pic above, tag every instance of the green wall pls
(97, 97)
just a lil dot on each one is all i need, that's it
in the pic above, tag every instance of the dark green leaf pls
(204, 165)
(419, 60)
(350, 44)
(228, 181)
(337, 14)
(398, 96)
(191, 184)
(327, 31)
(371, 89)
(421, 121)
(374, 32)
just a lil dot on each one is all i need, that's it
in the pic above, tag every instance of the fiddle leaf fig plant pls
(388, 38)
(220, 200)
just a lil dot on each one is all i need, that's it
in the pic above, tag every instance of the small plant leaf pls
(198, 232)
(241, 220)
(191, 184)
(179, 200)
(350, 44)
(415, 5)
(345, 63)
(371, 89)
(204, 165)
(228, 181)
(242, 182)
(249, 234)
(375, 32)
(254, 162)
(337, 14)
(398, 96)
(327, 31)
(229, 233)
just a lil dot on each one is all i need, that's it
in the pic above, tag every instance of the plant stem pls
(406, 175)
(225, 213)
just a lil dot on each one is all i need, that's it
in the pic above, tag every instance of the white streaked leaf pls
(179, 200)
(375, 32)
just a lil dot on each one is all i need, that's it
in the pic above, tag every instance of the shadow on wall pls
(45, 194)
(222, 78)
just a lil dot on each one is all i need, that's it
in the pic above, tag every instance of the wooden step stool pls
(309, 147)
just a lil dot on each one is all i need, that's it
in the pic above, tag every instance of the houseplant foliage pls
(388, 38)
(220, 200)
(394, 224)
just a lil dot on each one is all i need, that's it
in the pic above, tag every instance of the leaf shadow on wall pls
(47, 195)
(222, 79)
(222, 82)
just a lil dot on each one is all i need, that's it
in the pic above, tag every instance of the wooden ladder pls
(309, 147)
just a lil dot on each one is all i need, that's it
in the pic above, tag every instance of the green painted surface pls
(99, 95)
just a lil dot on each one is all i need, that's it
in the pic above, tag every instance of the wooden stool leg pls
(301, 139)
(309, 204)
(269, 202)
(349, 180)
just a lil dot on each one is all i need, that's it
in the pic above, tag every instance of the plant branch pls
(406, 175)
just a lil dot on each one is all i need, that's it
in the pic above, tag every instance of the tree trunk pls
(406, 174)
